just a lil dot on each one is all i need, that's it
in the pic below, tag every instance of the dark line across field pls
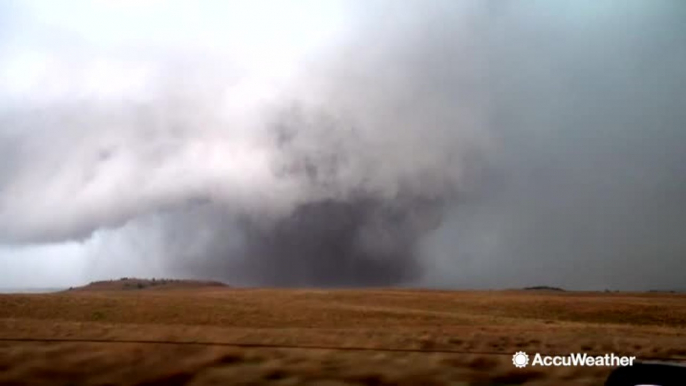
(301, 347)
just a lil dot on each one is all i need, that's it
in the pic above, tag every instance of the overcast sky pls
(462, 144)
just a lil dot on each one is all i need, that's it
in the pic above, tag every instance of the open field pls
(472, 334)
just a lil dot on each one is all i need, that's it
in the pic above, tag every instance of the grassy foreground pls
(483, 323)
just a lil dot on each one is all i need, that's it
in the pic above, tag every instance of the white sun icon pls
(520, 359)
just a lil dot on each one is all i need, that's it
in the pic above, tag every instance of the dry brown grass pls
(492, 321)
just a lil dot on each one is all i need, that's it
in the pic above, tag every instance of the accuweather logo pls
(521, 359)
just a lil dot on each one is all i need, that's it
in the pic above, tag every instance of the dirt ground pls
(327, 337)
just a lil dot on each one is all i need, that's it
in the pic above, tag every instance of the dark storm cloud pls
(456, 143)
(343, 232)
(584, 98)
